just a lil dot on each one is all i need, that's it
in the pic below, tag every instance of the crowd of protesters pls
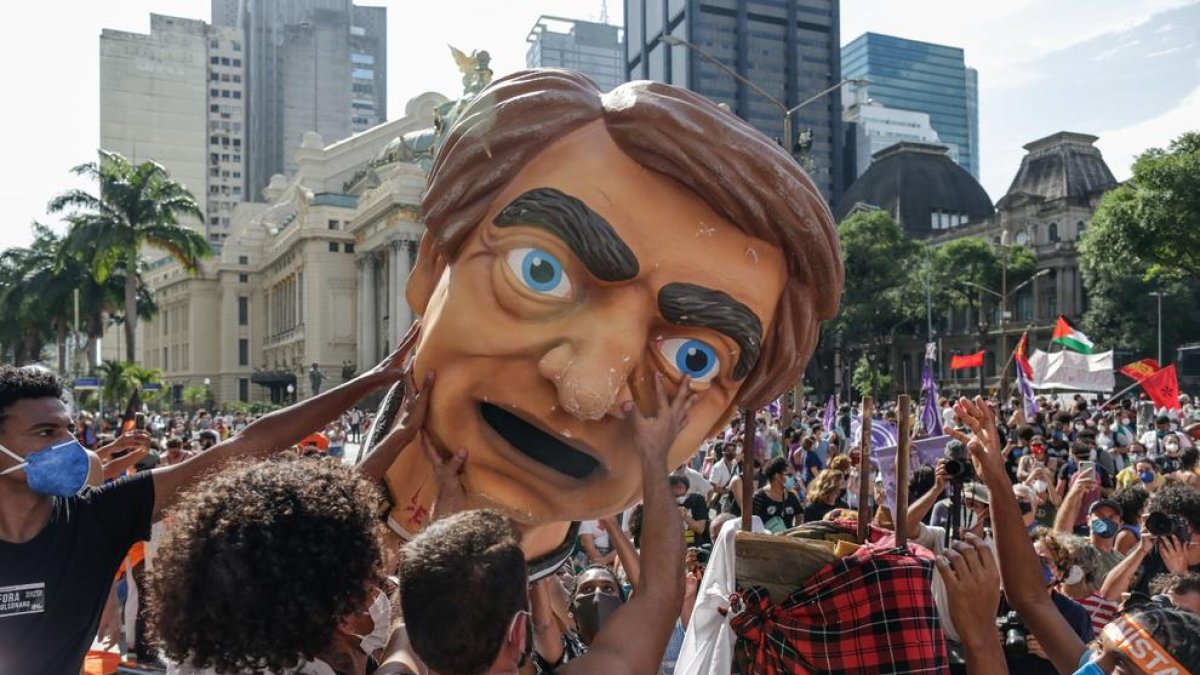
(1089, 517)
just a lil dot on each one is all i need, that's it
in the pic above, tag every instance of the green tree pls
(138, 205)
(1144, 238)
(194, 396)
(25, 330)
(121, 378)
(868, 381)
(879, 261)
(1153, 219)
(958, 272)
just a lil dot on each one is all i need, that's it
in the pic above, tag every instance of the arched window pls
(1052, 233)
(1079, 228)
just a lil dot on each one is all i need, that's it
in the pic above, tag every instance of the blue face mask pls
(1088, 665)
(60, 470)
(1104, 528)
(1016, 453)
(1147, 476)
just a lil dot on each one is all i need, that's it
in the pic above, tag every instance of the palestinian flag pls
(1071, 338)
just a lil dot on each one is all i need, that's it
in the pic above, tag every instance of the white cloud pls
(1122, 145)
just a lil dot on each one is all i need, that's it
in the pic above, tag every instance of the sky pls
(1127, 72)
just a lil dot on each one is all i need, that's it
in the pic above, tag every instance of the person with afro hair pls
(272, 566)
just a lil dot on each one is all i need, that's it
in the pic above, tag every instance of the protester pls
(459, 559)
(1181, 590)
(1154, 633)
(693, 509)
(824, 494)
(273, 566)
(46, 516)
(775, 503)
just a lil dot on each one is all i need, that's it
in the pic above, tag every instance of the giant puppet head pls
(578, 243)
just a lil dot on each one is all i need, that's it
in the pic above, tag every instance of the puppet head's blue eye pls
(691, 357)
(539, 271)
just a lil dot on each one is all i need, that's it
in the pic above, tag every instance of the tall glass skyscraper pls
(789, 48)
(923, 77)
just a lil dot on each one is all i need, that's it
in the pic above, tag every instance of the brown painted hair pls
(737, 170)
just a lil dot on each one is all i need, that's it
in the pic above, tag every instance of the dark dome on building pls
(923, 189)
(1064, 166)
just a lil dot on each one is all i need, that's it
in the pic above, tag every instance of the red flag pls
(968, 361)
(1140, 370)
(1021, 357)
(1163, 388)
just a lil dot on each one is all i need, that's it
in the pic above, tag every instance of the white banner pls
(1073, 371)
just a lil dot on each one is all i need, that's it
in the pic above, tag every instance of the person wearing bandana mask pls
(597, 596)
(54, 595)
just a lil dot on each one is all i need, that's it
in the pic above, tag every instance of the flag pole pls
(748, 453)
(864, 469)
(903, 448)
(1120, 393)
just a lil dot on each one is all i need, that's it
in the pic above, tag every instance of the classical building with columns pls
(315, 273)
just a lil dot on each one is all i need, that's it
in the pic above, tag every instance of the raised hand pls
(130, 440)
(654, 435)
(392, 367)
(448, 475)
(972, 580)
(984, 441)
(411, 420)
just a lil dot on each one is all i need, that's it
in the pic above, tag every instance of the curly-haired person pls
(272, 567)
(1183, 590)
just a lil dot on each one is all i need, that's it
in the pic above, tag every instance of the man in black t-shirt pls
(694, 511)
(61, 544)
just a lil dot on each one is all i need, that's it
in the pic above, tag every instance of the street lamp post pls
(1159, 296)
(785, 111)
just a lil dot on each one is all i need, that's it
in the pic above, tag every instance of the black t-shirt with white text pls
(53, 587)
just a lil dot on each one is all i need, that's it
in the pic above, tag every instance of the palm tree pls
(138, 205)
(25, 330)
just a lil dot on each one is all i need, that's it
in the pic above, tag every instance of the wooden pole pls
(864, 469)
(747, 468)
(900, 517)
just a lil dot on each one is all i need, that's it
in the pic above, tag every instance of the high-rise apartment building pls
(594, 49)
(871, 128)
(176, 96)
(923, 77)
(224, 106)
(312, 65)
(789, 48)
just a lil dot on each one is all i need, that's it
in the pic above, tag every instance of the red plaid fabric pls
(871, 612)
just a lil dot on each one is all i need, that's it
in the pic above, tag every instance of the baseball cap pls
(977, 492)
(1100, 503)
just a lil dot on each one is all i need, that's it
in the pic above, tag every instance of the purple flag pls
(931, 417)
(1029, 402)
(925, 452)
(827, 418)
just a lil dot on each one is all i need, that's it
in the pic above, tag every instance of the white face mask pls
(1040, 486)
(1074, 575)
(381, 615)
(681, 499)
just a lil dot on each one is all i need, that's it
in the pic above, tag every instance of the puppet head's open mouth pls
(538, 445)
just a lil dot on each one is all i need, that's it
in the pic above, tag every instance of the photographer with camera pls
(1170, 543)
(1159, 636)
(973, 498)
